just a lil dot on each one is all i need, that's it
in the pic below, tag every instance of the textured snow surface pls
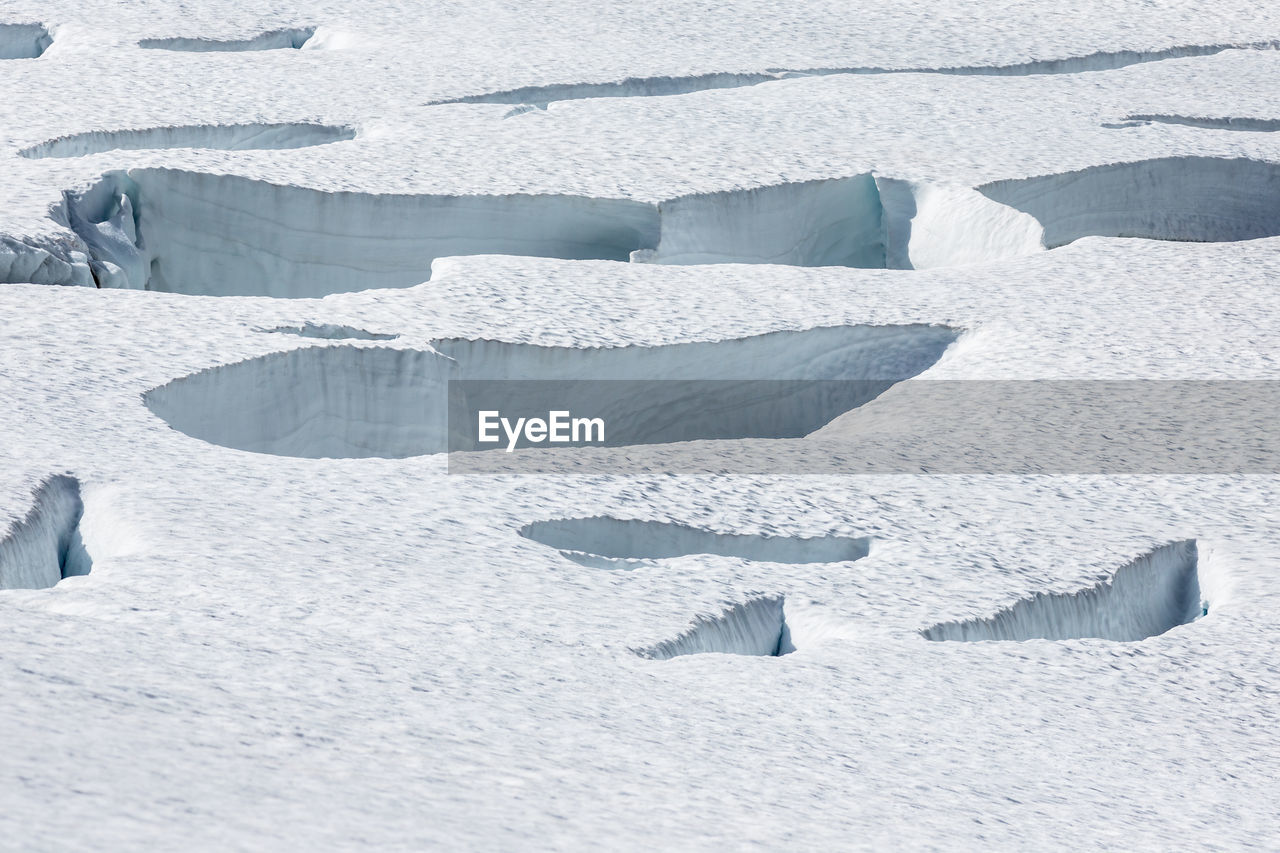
(296, 635)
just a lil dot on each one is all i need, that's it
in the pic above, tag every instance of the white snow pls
(302, 631)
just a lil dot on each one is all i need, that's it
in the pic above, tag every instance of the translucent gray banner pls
(864, 427)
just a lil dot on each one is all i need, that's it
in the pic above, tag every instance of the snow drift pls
(292, 37)
(1145, 598)
(45, 546)
(754, 627)
(23, 41)
(359, 401)
(223, 137)
(614, 543)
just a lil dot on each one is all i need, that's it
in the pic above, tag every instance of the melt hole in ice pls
(23, 41)
(360, 401)
(614, 543)
(221, 137)
(757, 627)
(1145, 598)
(282, 39)
(45, 546)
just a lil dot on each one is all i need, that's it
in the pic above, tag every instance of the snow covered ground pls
(244, 607)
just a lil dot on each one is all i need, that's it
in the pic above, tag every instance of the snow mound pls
(1196, 199)
(358, 401)
(45, 546)
(1145, 598)
(754, 627)
(614, 543)
(224, 137)
(289, 38)
(23, 41)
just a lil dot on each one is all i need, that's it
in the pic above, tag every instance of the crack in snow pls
(283, 39)
(659, 86)
(226, 137)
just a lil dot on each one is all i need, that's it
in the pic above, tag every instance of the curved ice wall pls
(45, 546)
(23, 41)
(1198, 199)
(1147, 597)
(221, 137)
(756, 627)
(355, 401)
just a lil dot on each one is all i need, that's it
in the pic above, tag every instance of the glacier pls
(246, 249)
